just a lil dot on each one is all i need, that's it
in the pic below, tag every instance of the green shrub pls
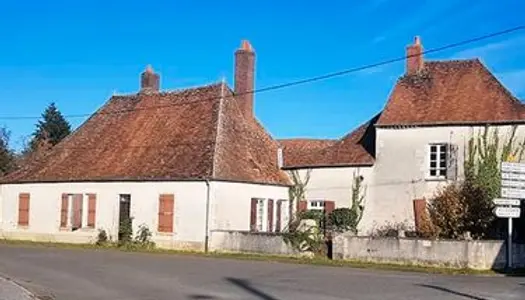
(143, 237)
(125, 233)
(343, 219)
(102, 237)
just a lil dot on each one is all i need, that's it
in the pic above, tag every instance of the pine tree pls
(6, 154)
(52, 128)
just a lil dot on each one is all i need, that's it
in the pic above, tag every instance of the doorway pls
(125, 230)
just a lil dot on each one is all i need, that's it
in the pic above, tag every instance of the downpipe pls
(207, 226)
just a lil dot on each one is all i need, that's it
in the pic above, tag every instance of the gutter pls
(207, 226)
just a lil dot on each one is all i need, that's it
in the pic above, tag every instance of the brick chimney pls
(415, 60)
(149, 81)
(244, 78)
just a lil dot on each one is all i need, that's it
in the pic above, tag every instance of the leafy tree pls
(358, 198)
(51, 129)
(6, 154)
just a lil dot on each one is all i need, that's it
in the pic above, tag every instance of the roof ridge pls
(218, 131)
(174, 91)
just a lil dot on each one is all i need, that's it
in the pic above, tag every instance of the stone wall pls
(240, 241)
(471, 254)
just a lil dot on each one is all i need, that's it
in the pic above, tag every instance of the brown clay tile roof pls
(450, 92)
(183, 135)
(296, 151)
(355, 149)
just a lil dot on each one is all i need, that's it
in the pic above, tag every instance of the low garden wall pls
(462, 254)
(240, 241)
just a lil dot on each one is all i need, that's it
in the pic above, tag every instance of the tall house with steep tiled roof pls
(184, 163)
(414, 145)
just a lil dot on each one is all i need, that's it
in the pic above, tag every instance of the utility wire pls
(298, 82)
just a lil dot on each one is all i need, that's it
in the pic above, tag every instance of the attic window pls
(437, 168)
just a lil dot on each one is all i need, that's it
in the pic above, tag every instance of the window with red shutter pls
(92, 210)
(278, 212)
(76, 222)
(270, 215)
(23, 209)
(166, 209)
(329, 206)
(64, 210)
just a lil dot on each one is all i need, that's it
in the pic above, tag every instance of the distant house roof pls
(196, 133)
(354, 149)
(450, 92)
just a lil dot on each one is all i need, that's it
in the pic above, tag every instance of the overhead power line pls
(302, 81)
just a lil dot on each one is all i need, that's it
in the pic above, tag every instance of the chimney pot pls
(149, 81)
(414, 59)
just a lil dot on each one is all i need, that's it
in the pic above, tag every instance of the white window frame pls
(85, 211)
(315, 205)
(441, 166)
(261, 221)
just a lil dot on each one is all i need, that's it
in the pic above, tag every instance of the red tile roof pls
(450, 92)
(197, 133)
(355, 149)
(296, 151)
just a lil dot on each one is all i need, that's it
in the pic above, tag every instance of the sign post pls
(512, 191)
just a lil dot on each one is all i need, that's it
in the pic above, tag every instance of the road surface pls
(89, 274)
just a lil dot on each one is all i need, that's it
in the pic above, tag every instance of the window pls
(23, 209)
(316, 205)
(262, 215)
(77, 211)
(166, 209)
(437, 161)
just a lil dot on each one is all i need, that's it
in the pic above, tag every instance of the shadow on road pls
(247, 286)
(443, 289)
(241, 283)
(202, 297)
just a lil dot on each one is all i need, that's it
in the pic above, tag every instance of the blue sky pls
(77, 53)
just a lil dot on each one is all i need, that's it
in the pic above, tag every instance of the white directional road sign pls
(507, 212)
(512, 193)
(512, 176)
(513, 183)
(507, 202)
(510, 167)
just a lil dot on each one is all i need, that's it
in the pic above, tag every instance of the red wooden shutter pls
(23, 209)
(166, 209)
(329, 206)
(253, 215)
(63, 210)
(302, 206)
(270, 215)
(278, 216)
(420, 210)
(77, 211)
(92, 210)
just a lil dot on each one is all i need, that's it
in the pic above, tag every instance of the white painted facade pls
(400, 172)
(229, 208)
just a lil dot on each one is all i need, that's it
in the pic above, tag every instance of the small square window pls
(316, 205)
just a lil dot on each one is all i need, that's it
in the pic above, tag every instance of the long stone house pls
(415, 145)
(181, 162)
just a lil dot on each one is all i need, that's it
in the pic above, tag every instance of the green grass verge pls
(269, 258)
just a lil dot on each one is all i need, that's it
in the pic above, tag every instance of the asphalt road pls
(89, 274)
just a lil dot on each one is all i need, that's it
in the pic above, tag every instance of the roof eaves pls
(324, 166)
(449, 123)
